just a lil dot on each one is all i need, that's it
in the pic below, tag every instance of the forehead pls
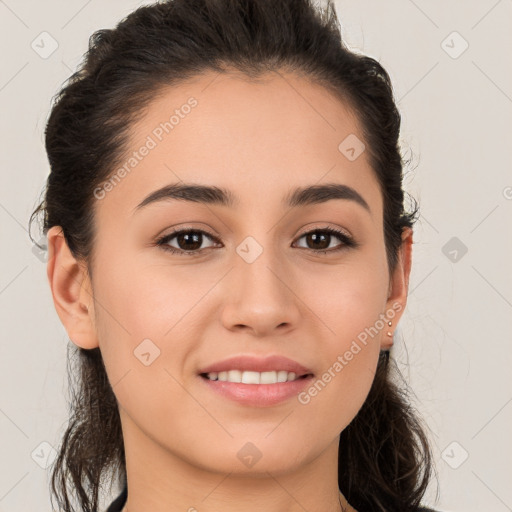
(259, 138)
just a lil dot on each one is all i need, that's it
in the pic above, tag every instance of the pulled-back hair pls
(384, 458)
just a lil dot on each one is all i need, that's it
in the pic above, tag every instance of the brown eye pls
(321, 239)
(188, 241)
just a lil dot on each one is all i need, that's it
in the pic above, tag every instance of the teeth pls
(253, 377)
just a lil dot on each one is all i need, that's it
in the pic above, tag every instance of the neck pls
(162, 480)
(344, 506)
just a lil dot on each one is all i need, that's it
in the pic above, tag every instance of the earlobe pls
(71, 291)
(398, 289)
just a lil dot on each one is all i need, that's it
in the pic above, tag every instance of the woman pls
(230, 255)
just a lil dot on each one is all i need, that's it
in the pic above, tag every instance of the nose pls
(261, 296)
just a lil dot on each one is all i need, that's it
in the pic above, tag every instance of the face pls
(258, 275)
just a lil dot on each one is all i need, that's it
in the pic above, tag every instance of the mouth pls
(254, 369)
(252, 389)
(255, 381)
(254, 378)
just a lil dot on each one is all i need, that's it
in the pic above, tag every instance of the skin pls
(181, 440)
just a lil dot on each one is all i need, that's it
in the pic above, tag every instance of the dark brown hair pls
(384, 457)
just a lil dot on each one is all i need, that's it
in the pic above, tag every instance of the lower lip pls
(258, 395)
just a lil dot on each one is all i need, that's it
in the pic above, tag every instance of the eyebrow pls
(206, 194)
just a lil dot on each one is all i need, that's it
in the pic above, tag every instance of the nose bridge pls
(257, 265)
(260, 296)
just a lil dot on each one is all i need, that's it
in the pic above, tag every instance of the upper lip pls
(257, 364)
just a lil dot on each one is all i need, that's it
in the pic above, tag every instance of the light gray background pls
(456, 110)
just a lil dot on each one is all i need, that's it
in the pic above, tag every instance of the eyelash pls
(347, 242)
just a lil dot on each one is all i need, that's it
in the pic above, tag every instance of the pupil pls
(315, 237)
(190, 238)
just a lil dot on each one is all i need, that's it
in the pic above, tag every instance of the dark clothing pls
(118, 504)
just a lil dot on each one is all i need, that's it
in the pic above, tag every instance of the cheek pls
(347, 299)
(135, 311)
(142, 301)
(341, 387)
(348, 305)
(139, 332)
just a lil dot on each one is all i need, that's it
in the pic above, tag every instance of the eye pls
(323, 237)
(188, 241)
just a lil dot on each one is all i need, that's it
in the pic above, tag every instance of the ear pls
(71, 291)
(398, 288)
